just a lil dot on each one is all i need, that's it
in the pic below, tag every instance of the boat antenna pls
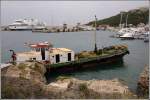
(95, 49)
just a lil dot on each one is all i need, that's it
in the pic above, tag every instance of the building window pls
(46, 49)
(34, 58)
(69, 56)
(57, 58)
(37, 49)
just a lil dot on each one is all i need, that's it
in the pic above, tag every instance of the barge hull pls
(85, 65)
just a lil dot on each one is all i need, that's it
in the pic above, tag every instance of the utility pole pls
(95, 49)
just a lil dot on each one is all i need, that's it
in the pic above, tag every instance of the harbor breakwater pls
(27, 80)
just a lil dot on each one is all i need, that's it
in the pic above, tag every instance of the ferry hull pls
(127, 38)
(20, 29)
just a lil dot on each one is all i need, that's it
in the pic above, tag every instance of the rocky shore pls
(27, 80)
(143, 84)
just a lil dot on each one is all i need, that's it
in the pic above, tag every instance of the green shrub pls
(22, 75)
(84, 90)
(83, 87)
(22, 66)
(62, 77)
(38, 68)
(7, 91)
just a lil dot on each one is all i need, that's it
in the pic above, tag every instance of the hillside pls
(135, 17)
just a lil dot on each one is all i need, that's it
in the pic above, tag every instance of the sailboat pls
(127, 33)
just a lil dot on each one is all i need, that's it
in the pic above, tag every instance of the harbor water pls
(128, 71)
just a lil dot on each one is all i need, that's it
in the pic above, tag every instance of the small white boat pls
(146, 33)
(146, 39)
(123, 31)
(127, 36)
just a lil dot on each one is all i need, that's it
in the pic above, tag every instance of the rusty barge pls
(88, 59)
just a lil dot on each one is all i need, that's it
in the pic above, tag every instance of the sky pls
(59, 12)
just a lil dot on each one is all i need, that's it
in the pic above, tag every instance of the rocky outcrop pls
(143, 84)
(26, 80)
(92, 89)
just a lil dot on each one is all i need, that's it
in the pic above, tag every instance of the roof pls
(60, 50)
(65, 49)
(34, 53)
(29, 54)
(40, 45)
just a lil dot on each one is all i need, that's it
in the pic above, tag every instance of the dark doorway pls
(57, 58)
(43, 53)
(69, 56)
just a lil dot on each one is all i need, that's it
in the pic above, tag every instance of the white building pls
(60, 55)
(39, 51)
(45, 52)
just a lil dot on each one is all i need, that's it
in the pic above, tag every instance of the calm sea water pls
(78, 41)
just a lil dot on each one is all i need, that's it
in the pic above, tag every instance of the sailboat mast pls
(127, 20)
(52, 20)
(95, 49)
(121, 20)
(149, 16)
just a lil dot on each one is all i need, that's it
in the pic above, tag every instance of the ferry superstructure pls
(26, 24)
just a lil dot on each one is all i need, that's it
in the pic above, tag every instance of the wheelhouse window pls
(34, 58)
(46, 49)
(37, 49)
(33, 49)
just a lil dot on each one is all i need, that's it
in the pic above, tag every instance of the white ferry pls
(26, 24)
